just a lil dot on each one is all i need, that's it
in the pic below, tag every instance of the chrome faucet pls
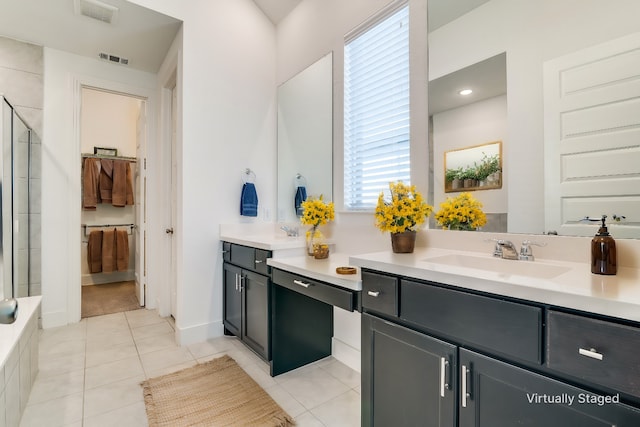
(507, 249)
(291, 232)
(526, 253)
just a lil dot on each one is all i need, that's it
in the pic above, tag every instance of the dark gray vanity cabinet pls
(433, 355)
(407, 377)
(246, 285)
(498, 394)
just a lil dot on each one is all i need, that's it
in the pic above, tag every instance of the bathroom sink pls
(533, 269)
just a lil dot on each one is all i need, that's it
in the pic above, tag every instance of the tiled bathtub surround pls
(18, 360)
(90, 373)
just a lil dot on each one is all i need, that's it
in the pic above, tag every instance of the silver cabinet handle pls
(592, 353)
(236, 281)
(241, 282)
(373, 293)
(463, 392)
(258, 261)
(301, 283)
(443, 367)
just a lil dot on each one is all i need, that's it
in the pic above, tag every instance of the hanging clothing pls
(122, 192)
(249, 200)
(106, 180)
(90, 184)
(94, 251)
(122, 250)
(109, 251)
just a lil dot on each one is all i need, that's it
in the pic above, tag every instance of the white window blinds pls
(376, 110)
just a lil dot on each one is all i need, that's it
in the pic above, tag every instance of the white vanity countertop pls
(320, 269)
(10, 334)
(267, 241)
(574, 287)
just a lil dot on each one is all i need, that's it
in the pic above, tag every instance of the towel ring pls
(300, 180)
(248, 176)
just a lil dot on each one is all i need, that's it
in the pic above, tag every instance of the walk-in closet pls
(111, 139)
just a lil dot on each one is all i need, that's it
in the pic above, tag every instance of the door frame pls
(74, 290)
(165, 251)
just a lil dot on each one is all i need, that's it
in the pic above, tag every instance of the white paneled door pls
(592, 138)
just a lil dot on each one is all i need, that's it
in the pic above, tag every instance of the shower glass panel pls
(15, 190)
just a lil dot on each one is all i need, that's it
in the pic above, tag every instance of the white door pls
(592, 138)
(140, 199)
(174, 197)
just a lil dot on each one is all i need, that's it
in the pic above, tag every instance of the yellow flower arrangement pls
(316, 212)
(404, 212)
(461, 213)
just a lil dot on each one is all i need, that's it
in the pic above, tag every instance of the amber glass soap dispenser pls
(603, 252)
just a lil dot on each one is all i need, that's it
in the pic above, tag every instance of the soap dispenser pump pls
(603, 252)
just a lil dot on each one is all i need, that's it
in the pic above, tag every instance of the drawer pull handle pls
(373, 293)
(592, 353)
(301, 283)
(258, 261)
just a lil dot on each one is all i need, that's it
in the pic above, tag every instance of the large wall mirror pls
(305, 137)
(511, 44)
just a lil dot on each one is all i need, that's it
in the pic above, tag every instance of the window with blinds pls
(376, 110)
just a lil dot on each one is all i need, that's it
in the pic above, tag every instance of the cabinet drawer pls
(247, 257)
(321, 291)
(242, 256)
(492, 324)
(597, 351)
(260, 261)
(380, 293)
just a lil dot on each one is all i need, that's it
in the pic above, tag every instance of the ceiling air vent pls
(113, 58)
(96, 10)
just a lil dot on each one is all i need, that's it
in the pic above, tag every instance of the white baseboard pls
(346, 354)
(53, 320)
(193, 334)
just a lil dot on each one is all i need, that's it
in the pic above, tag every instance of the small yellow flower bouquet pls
(462, 212)
(316, 212)
(404, 212)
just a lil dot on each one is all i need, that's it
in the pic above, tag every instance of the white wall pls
(228, 124)
(61, 165)
(531, 32)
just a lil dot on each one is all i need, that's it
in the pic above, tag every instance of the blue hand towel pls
(249, 200)
(301, 196)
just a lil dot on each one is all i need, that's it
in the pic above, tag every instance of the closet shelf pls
(103, 156)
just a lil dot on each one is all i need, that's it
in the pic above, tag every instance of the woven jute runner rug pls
(215, 393)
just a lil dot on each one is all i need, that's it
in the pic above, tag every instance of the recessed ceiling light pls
(465, 92)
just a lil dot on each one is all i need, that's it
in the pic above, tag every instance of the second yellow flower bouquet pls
(462, 212)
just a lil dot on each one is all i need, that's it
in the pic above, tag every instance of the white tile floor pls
(90, 374)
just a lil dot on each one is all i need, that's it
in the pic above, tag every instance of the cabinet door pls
(255, 288)
(232, 309)
(407, 377)
(497, 394)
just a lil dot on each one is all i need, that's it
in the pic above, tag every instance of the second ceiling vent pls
(96, 10)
